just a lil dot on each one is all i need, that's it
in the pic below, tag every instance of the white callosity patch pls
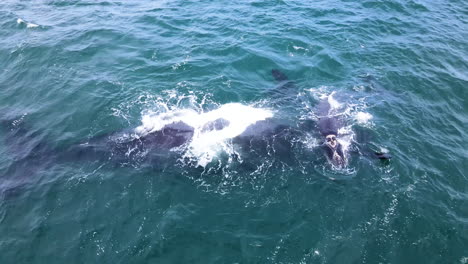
(206, 144)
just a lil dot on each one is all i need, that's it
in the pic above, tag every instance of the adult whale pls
(160, 138)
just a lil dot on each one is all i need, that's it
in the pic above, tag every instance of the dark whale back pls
(327, 123)
(123, 147)
(171, 136)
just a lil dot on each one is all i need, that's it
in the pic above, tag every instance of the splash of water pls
(363, 117)
(208, 140)
(334, 104)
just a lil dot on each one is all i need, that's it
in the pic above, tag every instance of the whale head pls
(334, 151)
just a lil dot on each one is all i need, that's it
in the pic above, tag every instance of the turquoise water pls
(71, 71)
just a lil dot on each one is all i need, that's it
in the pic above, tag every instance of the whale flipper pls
(279, 76)
(283, 81)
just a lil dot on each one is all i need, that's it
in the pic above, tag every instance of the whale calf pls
(327, 125)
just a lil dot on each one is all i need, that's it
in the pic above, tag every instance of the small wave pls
(28, 24)
(300, 48)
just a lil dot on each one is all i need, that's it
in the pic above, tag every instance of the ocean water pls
(75, 71)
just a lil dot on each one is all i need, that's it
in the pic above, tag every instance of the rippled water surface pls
(73, 73)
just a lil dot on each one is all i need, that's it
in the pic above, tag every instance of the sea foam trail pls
(207, 140)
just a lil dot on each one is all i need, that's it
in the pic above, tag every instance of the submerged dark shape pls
(279, 76)
(128, 147)
(284, 83)
(30, 152)
(285, 92)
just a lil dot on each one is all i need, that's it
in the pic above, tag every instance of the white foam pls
(206, 145)
(334, 104)
(152, 122)
(383, 150)
(31, 25)
(300, 48)
(346, 136)
(363, 117)
(311, 142)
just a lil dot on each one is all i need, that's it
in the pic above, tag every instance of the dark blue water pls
(73, 73)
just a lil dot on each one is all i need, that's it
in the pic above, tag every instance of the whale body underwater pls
(202, 134)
